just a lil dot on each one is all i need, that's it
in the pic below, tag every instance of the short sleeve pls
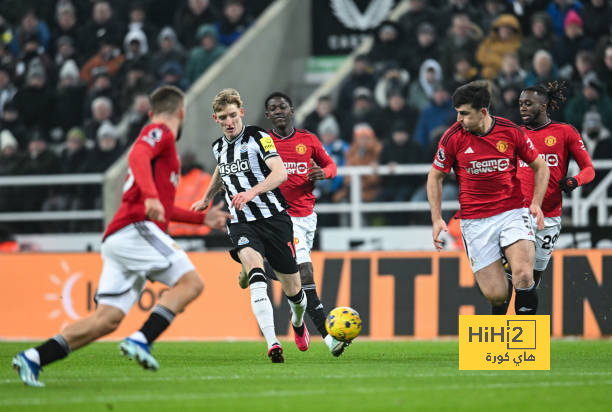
(524, 147)
(265, 145)
(445, 155)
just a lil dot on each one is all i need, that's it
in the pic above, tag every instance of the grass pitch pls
(377, 376)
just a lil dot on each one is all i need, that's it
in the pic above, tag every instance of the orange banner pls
(398, 294)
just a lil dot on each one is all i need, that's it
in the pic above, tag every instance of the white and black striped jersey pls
(241, 166)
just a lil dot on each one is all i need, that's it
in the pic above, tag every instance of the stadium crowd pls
(75, 75)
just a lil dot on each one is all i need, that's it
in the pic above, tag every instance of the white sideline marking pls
(150, 397)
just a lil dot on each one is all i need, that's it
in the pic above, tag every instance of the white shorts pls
(303, 233)
(484, 239)
(545, 242)
(133, 254)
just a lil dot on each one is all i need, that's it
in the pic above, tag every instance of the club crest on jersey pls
(441, 155)
(550, 140)
(238, 165)
(267, 144)
(300, 149)
(501, 146)
(296, 240)
(242, 241)
(244, 148)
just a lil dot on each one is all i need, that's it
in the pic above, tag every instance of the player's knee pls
(522, 278)
(107, 324)
(497, 294)
(197, 286)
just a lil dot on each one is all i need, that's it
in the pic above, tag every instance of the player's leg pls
(277, 233)
(520, 256)
(503, 308)
(492, 282)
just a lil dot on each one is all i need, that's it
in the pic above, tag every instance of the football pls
(343, 323)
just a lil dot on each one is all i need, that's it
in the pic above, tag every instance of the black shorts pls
(271, 237)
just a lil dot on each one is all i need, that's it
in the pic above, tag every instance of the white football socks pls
(297, 310)
(262, 309)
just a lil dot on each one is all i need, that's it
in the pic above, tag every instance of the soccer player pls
(483, 150)
(136, 248)
(555, 142)
(250, 169)
(306, 161)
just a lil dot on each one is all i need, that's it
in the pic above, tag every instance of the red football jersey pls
(555, 142)
(154, 172)
(485, 167)
(297, 151)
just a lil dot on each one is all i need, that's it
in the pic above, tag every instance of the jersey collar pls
(539, 127)
(273, 131)
(235, 138)
(490, 128)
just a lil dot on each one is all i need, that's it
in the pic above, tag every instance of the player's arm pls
(587, 172)
(278, 175)
(139, 162)
(541, 174)
(323, 166)
(215, 218)
(434, 195)
(215, 186)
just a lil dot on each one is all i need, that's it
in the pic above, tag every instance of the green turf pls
(369, 376)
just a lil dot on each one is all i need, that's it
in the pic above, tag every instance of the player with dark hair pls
(483, 150)
(555, 142)
(250, 169)
(136, 248)
(306, 161)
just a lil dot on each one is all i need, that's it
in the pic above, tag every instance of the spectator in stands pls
(400, 149)
(234, 22)
(65, 25)
(440, 113)
(32, 53)
(6, 58)
(455, 7)
(594, 132)
(101, 111)
(511, 73)
(364, 151)
(397, 110)
(323, 109)
(389, 44)
(75, 155)
(169, 49)
(541, 37)
(134, 119)
(108, 56)
(34, 100)
(584, 63)
(329, 133)
(507, 104)
(492, 10)
(364, 110)
(102, 86)
(544, 69)
(605, 69)
(69, 98)
(599, 16)
(462, 38)
(30, 27)
(40, 160)
(103, 26)
(136, 47)
(592, 98)
(463, 72)
(12, 121)
(191, 187)
(137, 79)
(137, 20)
(602, 44)
(107, 150)
(7, 88)
(572, 41)
(65, 51)
(393, 79)
(558, 10)
(192, 15)
(422, 89)
(426, 47)
(360, 76)
(172, 74)
(419, 12)
(505, 37)
(11, 160)
(205, 54)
